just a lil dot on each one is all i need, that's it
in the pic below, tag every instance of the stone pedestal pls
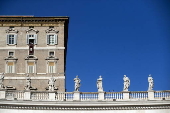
(2, 94)
(52, 96)
(76, 96)
(151, 95)
(27, 95)
(101, 96)
(125, 95)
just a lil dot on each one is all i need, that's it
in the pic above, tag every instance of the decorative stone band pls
(11, 78)
(36, 48)
(42, 107)
(53, 105)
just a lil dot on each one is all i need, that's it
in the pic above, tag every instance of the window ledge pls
(11, 44)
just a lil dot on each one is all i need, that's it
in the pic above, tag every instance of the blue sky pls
(109, 38)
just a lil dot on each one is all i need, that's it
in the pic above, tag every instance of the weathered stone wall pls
(41, 52)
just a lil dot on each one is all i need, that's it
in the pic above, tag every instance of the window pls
(11, 53)
(51, 39)
(31, 38)
(11, 39)
(51, 67)
(10, 67)
(31, 67)
(11, 27)
(51, 27)
(31, 27)
(51, 53)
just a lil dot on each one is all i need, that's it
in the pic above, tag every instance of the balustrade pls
(15, 94)
(162, 94)
(113, 95)
(39, 96)
(90, 96)
(139, 95)
(85, 96)
(64, 96)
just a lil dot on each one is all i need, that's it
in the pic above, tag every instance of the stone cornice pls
(25, 21)
(11, 30)
(82, 105)
(51, 30)
(31, 30)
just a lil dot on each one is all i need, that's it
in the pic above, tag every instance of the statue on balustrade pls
(77, 83)
(151, 83)
(51, 82)
(99, 84)
(126, 83)
(1, 81)
(28, 82)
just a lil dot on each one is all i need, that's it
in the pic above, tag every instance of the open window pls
(31, 38)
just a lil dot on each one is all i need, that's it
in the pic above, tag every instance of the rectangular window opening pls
(51, 67)
(11, 53)
(10, 67)
(51, 53)
(30, 67)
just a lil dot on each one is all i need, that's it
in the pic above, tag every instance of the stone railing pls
(138, 95)
(85, 96)
(114, 96)
(39, 95)
(162, 95)
(14, 95)
(64, 96)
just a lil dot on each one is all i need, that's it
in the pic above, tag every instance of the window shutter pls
(47, 39)
(35, 40)
(27, 38)
(55, 37)
(7, 39)
(15, 39)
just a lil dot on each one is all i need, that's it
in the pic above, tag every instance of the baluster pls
(82, 96)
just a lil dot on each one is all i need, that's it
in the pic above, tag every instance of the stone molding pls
(31, 30)
(14, 78)
(36, 48)
(51, 30)
(29, 21)
(11, 30)
(71, 106)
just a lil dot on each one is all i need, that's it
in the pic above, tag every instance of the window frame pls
(8, 66)
(28, 38)
(53, 67)
(8, 39)
(51, 55)
(33, 67)
(55, 39)
(9, 53)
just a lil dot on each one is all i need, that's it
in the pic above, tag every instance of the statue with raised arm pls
(1, 81)
(151, 83)
(28, 82)
(51, 82)
(126, 83)
(77, 83)
(99, 84)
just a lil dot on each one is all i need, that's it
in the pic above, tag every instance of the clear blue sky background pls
(109, 38)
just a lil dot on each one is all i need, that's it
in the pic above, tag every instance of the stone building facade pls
(35, 46)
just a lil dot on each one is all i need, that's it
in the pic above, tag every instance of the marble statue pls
(99, 84)
(51, 82)
(28, 82)
(77, 83)
(126, 83)
(1, 81)
(151, 83)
